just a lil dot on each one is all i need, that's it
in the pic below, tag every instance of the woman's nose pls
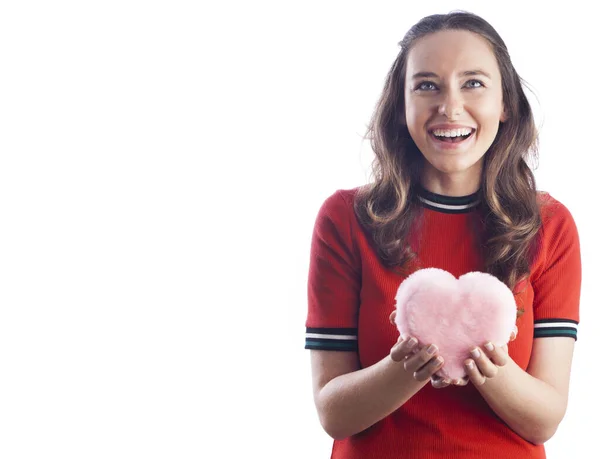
(451, 104)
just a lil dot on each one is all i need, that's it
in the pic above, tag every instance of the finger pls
(403, 348)
(393, 317)
(473, 373)
(428, 370)
(461, 381)
(441, 380)
(483, 363)
(496, 354)
(439, 383)
(514, 333)
(420, 359)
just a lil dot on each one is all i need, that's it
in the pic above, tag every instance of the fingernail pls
(470, 364)
(439, 360)
(489, 346)
(431, 349)
(411, 343)
(475, 353)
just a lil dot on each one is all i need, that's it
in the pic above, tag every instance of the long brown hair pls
(509, 209)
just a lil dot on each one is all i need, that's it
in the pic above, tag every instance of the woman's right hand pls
(422, 362)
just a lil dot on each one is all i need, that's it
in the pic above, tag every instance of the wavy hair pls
(509, 211)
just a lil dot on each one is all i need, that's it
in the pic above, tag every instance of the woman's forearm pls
(352, 402)
(530, 407)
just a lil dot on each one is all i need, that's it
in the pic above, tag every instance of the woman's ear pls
(503, 115)
(402, 118)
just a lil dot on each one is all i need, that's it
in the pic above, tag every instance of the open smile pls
(452, 140)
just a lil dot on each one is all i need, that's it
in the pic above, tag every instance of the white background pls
(161, 166)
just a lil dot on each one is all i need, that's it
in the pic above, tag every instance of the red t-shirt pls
(351, 295)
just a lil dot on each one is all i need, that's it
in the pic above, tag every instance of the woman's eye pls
(477, 82)
(426, 86)
(430, 86)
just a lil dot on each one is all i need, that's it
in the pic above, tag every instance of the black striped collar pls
(448, 204)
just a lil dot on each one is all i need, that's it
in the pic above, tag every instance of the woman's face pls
(453, 87)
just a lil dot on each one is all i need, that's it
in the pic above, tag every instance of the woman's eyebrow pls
(465, 73)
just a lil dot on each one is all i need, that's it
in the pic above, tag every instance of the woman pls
(452, 190)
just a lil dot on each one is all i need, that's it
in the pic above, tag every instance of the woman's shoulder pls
(553, 212)
(340, 201)
(558, 225)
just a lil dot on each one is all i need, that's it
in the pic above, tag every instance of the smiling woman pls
(451, 134)
(453, 108)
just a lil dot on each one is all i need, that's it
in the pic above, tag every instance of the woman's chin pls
(455, 165)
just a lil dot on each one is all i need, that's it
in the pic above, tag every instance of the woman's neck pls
(458, 184)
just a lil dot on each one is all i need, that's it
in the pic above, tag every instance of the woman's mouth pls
(451, 138)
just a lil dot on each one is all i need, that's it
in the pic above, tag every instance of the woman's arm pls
(532, 402)
(350, 399)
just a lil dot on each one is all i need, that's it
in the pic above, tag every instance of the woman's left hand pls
(486, 362)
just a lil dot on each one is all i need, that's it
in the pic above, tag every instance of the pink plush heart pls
(455, 314)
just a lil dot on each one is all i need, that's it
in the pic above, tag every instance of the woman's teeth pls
(451, 132)
(452, 135)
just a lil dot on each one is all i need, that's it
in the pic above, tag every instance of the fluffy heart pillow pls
(455, 314)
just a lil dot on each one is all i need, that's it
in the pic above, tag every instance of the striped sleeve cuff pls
(548, 328)
(332, 339)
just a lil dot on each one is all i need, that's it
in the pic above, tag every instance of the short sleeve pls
(333, 278)
(557, 284)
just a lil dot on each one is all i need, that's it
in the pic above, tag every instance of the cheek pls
(489, 112)
(416, 115)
